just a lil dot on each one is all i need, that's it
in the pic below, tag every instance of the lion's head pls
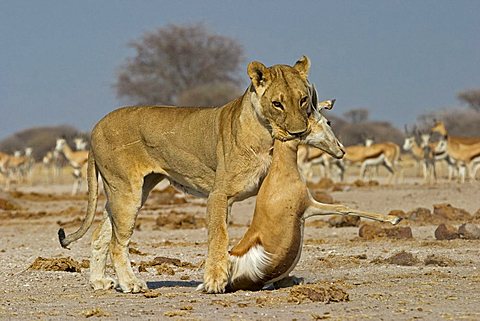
(281, 97)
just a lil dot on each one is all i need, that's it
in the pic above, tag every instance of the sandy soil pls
(357, 277)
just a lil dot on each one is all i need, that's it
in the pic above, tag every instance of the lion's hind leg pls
(123, 209)
(101, 238)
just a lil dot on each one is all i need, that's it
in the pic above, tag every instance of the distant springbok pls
(423, 154)
(80, 143)
(464, 150)
(76, 159)
(386, 154)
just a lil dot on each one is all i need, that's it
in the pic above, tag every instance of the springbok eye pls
(278, 105)
(329, 123)
(303, 100)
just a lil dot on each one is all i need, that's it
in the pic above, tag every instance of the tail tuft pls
(61, 238)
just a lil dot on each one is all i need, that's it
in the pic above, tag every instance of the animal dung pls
(65, 264)
(317, 292)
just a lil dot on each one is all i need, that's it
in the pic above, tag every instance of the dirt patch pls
(318, 292)
(317, 223)
(179, 220)
(360, 183)
(41, 197)
(66, 264)
(343, 221)
(167, 196)
(420, 216)
(449, 213)
(323, 197)
(408, 292)
(95, 312)
(163, 265)
(441, 213)
(402, 258)
(439, 261)
(324, 183)
(370, 231)
(8, 205)
(332, 261)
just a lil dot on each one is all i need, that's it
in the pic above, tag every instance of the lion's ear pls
(303, 66)
(258, 73)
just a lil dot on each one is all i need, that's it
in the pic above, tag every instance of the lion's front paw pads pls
(215, 281)
(133, 286)
(103, 284)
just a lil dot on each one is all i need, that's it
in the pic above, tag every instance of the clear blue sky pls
(399, 59)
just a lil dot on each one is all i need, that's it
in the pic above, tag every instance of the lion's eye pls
(303, 100)
(278, 105)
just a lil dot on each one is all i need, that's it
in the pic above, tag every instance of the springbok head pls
(439, 127)
(321, 135)
(61, 142)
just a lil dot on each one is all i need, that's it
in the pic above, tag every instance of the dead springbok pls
(272, 245)
(76, 159)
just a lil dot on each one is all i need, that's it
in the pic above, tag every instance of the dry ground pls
(336, 263)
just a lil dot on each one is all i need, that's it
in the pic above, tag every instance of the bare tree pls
(176, 59)
(209, 94)
(459, 121)
(471, 98)
(356, 116)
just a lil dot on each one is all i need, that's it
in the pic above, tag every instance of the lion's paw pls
(103, 284)
(215, 279)
(133, 286)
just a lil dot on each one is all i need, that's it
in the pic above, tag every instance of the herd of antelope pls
(460, 154)
(18, 168)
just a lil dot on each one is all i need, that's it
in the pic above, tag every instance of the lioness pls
(223, 153)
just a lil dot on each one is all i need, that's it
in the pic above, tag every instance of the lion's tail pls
(92, 178)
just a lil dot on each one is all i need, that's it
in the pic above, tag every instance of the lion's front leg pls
(217, 263)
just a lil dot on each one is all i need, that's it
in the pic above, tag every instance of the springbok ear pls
(327, 104)
(313, 98)
(258, 73)
(303, 66)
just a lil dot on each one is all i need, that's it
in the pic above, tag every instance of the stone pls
(469, 231)
(370, 231)
(450, 213)
(399, 232)
(446, 232)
